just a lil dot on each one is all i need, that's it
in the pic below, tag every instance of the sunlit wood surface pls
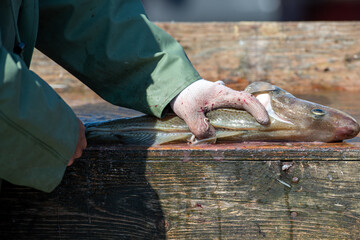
(297, 55)
(237, 191)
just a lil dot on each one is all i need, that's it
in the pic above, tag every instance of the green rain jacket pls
(110, 46)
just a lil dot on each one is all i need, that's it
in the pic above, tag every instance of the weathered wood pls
(245, 200)
(297, 55)
(222, 192)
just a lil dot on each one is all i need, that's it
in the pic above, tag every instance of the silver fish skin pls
(291, 119)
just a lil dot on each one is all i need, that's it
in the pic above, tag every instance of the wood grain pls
(296, 55)
(177, 192)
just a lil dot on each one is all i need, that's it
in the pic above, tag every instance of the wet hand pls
(203, 96)
(81, 143)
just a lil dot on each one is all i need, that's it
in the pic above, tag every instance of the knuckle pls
(204, 130)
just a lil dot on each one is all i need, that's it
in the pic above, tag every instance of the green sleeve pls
(114, 49)
(33, 120)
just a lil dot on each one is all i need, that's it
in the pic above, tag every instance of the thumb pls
(198, 124)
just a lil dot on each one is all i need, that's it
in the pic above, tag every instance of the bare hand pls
(203, 96)
(81, 144)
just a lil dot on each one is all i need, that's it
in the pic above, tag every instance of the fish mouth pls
(349, 128)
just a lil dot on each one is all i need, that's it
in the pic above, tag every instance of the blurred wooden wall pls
(297, 56)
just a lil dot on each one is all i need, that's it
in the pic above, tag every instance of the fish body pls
(291, 119)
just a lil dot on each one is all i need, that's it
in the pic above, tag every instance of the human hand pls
(81, 143)
(203, 96)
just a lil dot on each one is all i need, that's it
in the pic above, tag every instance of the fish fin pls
(170, 138)
(97, 129)
(257, 87)
(226, 135)
(222, 134)
(143, 138)
(211, 140)
(97, 136)
(219, 135)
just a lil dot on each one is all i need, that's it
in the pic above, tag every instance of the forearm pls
(114, 49)
(38, 130)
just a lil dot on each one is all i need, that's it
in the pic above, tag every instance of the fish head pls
(304, 120)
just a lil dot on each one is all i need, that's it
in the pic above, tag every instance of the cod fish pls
(291, 119)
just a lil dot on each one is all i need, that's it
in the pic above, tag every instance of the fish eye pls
(317, 112)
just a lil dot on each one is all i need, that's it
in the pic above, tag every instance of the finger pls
(228, 98)
(81, 143)
(199, 125)
(76, 155)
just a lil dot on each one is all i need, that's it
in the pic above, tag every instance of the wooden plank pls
(206, 193)
(297, 55)
(245, 200)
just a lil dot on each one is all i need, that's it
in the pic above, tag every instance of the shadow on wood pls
(98, 199)
(223, 191)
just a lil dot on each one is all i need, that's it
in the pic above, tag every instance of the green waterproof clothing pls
(109, 45)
